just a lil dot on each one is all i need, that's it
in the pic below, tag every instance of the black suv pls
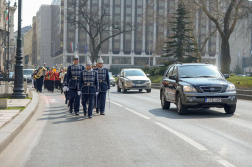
(195, 85)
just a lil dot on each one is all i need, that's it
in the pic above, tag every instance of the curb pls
(241, 94)
(12, 129)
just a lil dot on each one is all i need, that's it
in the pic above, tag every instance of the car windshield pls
(134, 73)
(110, 75)
(28, 72)
(199, 71)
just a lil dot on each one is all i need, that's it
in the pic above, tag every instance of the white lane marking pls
(53, 101)
(225, 163)
(141, 115)
(116, 104)
(153, 96)
(185, 138)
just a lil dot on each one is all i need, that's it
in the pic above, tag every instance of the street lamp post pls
(53, 50)
(8, 59)
(18, 90)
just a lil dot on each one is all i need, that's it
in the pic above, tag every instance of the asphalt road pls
(134, 132)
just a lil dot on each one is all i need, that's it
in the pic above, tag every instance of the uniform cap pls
(94, 63)
(100, 60)
(76, 57)
(89, 63)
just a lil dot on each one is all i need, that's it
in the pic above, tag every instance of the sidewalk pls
(7, 115)
(13, 121)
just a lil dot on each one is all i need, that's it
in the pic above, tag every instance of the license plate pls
(213, 100)
(139, 85)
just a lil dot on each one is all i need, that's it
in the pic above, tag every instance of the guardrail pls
(7, 85)
(241, 94)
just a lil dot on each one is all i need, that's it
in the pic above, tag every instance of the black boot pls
(85, 113)
(70, 110)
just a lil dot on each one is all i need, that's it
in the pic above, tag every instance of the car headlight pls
(148, 81)
(128, 81)
(230, 87)
(189, 89)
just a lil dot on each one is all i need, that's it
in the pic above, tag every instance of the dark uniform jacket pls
(73, 75)
(88, 83)
(103, 79)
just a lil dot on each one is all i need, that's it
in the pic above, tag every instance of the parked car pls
(133, 79)
(112, 79)
(241, 75)
(196, 85)
(27, 73)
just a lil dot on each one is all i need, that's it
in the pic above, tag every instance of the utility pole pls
(149, 48)
(43, 55)
(5, 44)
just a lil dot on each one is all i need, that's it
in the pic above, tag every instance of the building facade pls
(134, 48)
(44, 35)
(27, 61)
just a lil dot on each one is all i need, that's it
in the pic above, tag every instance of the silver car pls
(133, 79)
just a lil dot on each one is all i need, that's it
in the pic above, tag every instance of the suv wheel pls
(148, 90)
(123, 89)
(165, 104)
(230, 109)
(181, 109)
(118, 88)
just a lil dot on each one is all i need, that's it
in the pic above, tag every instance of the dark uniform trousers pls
(40, 83)
(88, 85)
(104, 85)
(73, 75)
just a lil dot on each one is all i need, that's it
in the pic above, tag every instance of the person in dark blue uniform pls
(65, 88)
(104, 86)
(73, 76)
(40, 79)
(88, 87)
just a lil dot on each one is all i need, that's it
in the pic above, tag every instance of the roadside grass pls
(15, 108)
(156, 78)
(239, 82)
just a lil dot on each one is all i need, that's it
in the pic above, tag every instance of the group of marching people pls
(89, 84)
(51, 78)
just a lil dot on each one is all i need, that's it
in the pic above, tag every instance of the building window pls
(139, 2)
(94, 1)
(117, 2)
(118, 18)
(128, 2)
(117, 10)
(139, 19)
(70, 34)
(121, 60)
(127, 46)
(116, 45)
(139, 46)
(128, 10)
(128, 36)
(128, 19)
(139, 11)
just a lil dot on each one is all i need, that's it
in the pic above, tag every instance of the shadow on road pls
(192, 113)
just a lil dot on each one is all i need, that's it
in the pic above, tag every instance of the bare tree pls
(227, 12)
(97, 24)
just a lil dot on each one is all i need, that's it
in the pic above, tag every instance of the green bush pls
(155, 70)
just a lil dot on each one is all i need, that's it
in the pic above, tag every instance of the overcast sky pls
(30, 8)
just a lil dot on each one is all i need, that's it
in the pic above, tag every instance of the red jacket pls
(57, 76)
(46, 76)
(52, 75)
